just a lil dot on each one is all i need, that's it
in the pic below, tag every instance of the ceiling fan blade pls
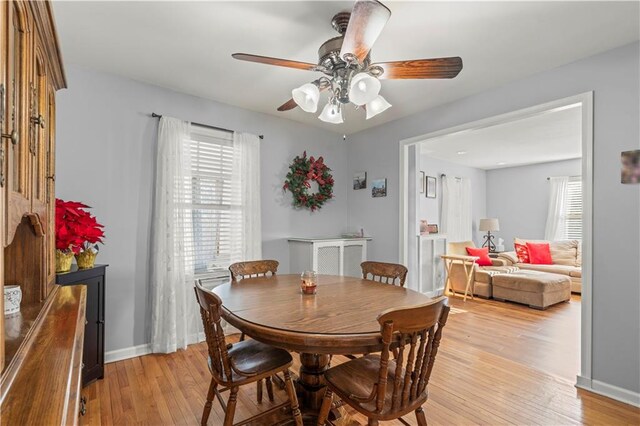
(367, 20)
(275, 61)
(421, 68)
(290, 104)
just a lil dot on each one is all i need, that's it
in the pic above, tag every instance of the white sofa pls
(566, 256)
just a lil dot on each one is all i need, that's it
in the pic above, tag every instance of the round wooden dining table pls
(339, 319)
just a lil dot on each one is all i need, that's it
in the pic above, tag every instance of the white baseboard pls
(126, 353)
(134, 351)
(610, 391)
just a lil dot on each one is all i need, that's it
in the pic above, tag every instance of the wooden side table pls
(93, 354)
(467, 263)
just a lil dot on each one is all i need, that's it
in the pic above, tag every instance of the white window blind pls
(573, 225)
(215, 237)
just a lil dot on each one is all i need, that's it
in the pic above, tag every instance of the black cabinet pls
(93, 356)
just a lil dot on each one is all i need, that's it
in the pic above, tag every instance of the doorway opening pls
(496, 176)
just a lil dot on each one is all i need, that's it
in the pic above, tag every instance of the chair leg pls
(373, 422)
(269, 389)
(278, 381)
(209, 403)
(422, 420)
(242, 336)
(231, 406)
(259, 390)
(293, 399)
(325, 407)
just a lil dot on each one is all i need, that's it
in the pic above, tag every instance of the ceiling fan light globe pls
(376, 106)
(331, 113)
(364, 88)
(307, 97)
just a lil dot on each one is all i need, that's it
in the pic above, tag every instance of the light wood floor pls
(499, 363)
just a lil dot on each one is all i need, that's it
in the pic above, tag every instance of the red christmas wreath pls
(302, 171)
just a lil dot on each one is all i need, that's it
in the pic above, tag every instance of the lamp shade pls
(307, 97)
(364, 88)
(331, 113)
(490, 225)
(377, 106)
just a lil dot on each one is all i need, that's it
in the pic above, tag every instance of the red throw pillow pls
(522, 252)
(539, 254)
(482, 253)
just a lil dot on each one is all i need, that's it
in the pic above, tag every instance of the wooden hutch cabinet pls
(41, 346)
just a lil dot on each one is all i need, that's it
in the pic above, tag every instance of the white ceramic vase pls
(12, 299)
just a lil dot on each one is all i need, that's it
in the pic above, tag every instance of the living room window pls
(573, 224)
(216, 236)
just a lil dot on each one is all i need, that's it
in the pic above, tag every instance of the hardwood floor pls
(498, 363)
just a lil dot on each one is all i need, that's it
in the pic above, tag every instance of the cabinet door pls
(15, 123)
(38, 136)
(93, 356)
(50, 189)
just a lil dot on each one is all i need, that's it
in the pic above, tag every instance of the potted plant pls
(77, 233)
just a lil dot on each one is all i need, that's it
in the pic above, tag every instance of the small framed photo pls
(431, 187)
(359, 180)
(422, 182)
(630, 166)
(379, 188)
(432, 229)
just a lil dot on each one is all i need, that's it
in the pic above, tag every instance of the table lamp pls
(489, 225)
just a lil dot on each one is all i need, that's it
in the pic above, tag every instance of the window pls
(215, 236)
(573, 224)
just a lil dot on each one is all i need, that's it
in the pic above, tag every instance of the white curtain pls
(456, 209)
(246, 177)
(556, 216)
(174, 315)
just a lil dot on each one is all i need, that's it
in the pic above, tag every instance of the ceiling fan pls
(346, 61)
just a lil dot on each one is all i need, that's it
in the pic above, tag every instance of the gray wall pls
(106, 158)
(519, 197)
(431, 208)
(615, 78)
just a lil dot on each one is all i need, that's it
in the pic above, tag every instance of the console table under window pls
(328, 256)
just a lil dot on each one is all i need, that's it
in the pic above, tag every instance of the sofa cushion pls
(563, 252)
(459, 248)
(533, 281)
(553, 269)
(522, 252)
(484, 274)
(539, 254)
(482, 253)
(576, 274)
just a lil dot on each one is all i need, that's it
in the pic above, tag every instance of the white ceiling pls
(187, 46)
(549, 136)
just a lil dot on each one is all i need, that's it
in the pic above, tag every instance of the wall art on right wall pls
(630, 166)
(379, 188)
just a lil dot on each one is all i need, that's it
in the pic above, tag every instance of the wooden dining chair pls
(253, 268)
(239, 364)
(384, 272)
(257, 268)
(386, 389)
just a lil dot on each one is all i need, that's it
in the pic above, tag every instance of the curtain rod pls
(576, 176)
(154, 115)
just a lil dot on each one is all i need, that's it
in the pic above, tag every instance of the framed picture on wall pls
(630, 166)
(359, 180)
(379, 188)
(422, 182)
(431, 187)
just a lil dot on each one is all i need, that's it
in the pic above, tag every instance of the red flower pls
(76, 228)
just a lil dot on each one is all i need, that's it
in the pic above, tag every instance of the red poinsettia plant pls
(77, 230)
